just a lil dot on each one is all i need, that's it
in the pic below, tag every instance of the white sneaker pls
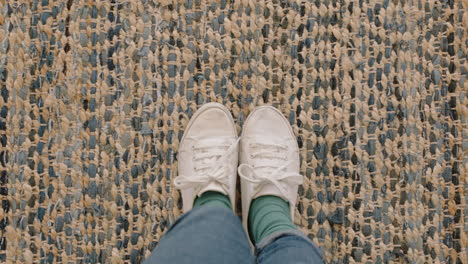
(208, 154)
(269, 159)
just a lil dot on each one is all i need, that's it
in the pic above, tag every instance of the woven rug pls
(95, 97)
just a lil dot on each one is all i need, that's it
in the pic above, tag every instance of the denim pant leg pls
(206, 234)
(290, 246)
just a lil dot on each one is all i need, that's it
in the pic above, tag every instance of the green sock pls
(212, 198)
(268, 214)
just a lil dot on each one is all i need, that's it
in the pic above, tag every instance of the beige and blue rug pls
(95, 96)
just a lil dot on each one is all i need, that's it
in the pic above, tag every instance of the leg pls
(269, 171)
(287, 247)
(210, 232)
(206, 234)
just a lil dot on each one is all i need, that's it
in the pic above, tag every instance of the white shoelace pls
(270, 170)
(218, 170)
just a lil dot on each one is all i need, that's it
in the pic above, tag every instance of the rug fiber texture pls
(95, 97)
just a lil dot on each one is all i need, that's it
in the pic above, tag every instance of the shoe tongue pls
(270, 189)
(268, 165)
(210, 142)
(214, 186)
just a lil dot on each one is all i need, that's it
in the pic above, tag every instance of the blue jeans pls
(214, 235)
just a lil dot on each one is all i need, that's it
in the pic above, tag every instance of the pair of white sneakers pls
(209, 152)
